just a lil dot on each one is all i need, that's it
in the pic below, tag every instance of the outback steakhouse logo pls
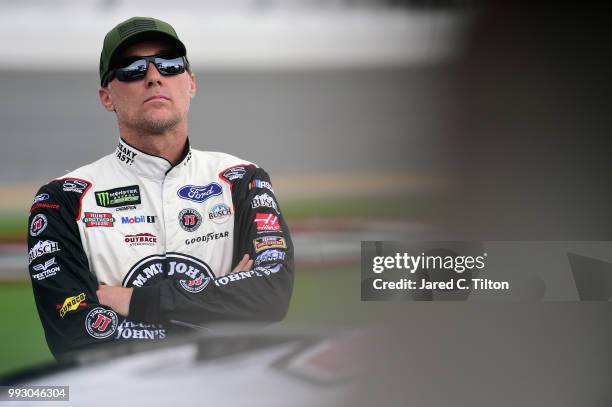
(141, 239)
(192, 273)
(92, 219)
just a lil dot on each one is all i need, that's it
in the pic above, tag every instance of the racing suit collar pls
(147, 165)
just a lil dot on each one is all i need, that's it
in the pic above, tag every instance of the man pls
(157, 236)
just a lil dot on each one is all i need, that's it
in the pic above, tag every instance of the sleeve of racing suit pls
(261, 294)
(64, 288)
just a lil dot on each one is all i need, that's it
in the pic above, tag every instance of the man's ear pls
(192, 84)
(105, 99)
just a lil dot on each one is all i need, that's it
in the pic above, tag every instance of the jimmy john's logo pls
(71, 304)
(117, 197)
(101, 323)
(93, 219)
(138, 330)
(193, 274)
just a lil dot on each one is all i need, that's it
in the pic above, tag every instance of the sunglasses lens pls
(172, 66)
(133, 71)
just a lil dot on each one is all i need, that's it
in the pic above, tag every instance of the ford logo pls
(195, 193)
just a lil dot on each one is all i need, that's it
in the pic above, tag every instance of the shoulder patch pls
(234, 172)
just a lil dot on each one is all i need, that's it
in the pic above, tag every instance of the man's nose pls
(153, 76)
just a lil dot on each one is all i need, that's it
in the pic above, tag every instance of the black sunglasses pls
(136, 68)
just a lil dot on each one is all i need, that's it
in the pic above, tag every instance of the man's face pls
(155, 103)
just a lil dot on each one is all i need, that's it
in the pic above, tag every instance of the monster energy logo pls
(116, 197)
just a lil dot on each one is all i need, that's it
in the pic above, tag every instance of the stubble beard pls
(148, 125)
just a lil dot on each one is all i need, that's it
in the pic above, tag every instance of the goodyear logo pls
(71, 304)
(117, 197)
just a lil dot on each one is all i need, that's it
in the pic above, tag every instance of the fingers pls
(245, 264)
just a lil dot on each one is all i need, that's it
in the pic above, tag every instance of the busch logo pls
(41, 248)
(264, 200)
(199, 194)
(219, 213)
(101, 322)
(267, 222)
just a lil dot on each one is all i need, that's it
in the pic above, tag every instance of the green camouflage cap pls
(129, 32)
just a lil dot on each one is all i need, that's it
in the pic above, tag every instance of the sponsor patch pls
(270, 255)
(209, 237)
(74, 185)
(269, 269)
(117, 197)
(138, 330)
(125, 208)
(93, 219)
(38, 224)
(44, 205)
(199, 194)
(269, 242)
(71, 304)
(141, 239)
(234, 173)
(39, 198)
(267, 222)
(101, 323)
(46, 269)
(193, 273)
(264, 200)
(219, 213)
(125, 154)
(190, 219)
(256, 272)
(41, 248)
(257, 183)
(137, 219)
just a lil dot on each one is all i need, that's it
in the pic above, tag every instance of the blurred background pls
(334, 98)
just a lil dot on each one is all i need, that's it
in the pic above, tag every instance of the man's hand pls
(118, 298)
(244, 265)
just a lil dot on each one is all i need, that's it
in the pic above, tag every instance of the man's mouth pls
(156, 97)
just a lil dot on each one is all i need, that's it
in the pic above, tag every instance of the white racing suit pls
(173, 233)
